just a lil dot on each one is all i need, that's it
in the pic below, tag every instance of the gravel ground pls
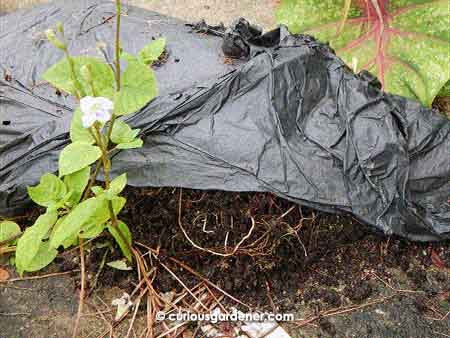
(213, 11)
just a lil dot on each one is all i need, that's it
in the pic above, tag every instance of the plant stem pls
(104, 146)
(118, 80)
(106, 163)
(106, 168)
(96, 135)
(8, 249)
(91, 132)
(118, 45)
(91, 84)
(92, 180)
(82, 290)
(10, 239)
(105, 154)
(114, 221)
(78, 89)
(77, 85)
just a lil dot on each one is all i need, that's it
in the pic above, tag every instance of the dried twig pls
(393, 288)
(182, 284)
(207, 281)
(82, 290)
(13, 314)
(101, 313)
(342, 310)
(56, 274)
(99, 271)
(206, 249)
(268, 289)
(442, 318)
(136, 308)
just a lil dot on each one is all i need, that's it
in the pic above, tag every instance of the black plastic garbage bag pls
(289, 117)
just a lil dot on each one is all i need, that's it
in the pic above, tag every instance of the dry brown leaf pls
(4, 274)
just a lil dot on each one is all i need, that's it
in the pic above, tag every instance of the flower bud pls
(51, 36)
(86, 73)
(59, 27)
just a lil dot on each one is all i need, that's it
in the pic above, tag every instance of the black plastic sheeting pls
(289, 117)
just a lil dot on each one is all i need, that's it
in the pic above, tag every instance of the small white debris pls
(380, 312)
(210, 331)
(123, 304)
(168, 297)
(265, 329)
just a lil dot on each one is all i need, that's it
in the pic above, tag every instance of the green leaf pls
(77, 131)
(137, 89)
(102, 214)
(76, 183)
(92, 230)
(29, 244)
(49, 191)
(59, 75)
(122, 132)
(74, 221)
(407, 47)
(70, 241)
(445, 90)
(118, 184)
(124, 242)
(77, 156)
(43, 257)
(119, 265)
(151, 52)
(118, 204)
(61, 203)
(124, 136)
(97, 190)
(88, 213)
(137, 143)
(8, 230)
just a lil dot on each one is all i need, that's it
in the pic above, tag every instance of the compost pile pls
(288, 117)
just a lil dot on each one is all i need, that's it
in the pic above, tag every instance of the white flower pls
(95, 109)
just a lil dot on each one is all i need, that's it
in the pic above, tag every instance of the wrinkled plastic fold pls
(289, 117)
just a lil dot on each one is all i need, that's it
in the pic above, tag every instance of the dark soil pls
(347, 264)
(442, 103)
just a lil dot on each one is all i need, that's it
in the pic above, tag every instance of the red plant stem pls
(380, 40)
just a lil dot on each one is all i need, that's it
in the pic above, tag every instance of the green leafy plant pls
(9, 232)
(76, 208)
(406, 43)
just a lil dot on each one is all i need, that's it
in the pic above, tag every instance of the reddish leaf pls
(405, 43)
(437, 261)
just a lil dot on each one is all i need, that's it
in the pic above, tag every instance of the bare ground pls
(352, 282)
